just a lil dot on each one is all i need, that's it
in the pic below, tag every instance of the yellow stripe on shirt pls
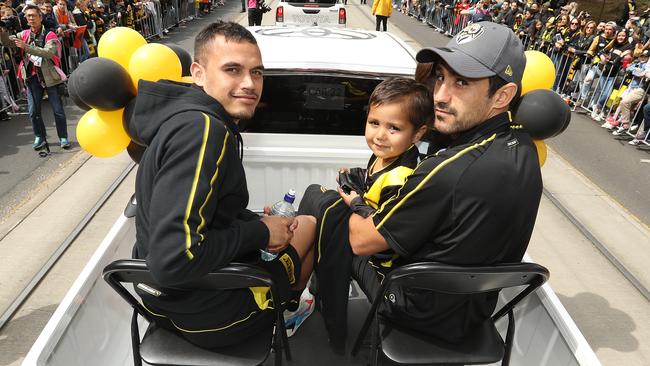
(394, 177)
(431, 174)
(195, 182)
(214, 178)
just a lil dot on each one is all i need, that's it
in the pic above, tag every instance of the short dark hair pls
(230, 30)
(415, 96)
(33, 7)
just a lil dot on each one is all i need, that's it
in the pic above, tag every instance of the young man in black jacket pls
(192, 196)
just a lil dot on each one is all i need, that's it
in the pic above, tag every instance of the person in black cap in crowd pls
(473, 202)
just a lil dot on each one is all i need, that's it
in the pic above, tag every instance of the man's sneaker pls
(600, 117)
(634, 142)
(39, 142)
(633, 128)
(619, 131)
(594, 113)
(65, 144)
(293, 319)
(607, 125)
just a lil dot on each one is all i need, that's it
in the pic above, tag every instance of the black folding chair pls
(483, 346)
(160, 346)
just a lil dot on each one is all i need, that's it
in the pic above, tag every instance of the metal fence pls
(153, 18)
(609, 92)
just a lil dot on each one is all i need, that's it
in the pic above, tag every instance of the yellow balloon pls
(539, 72)
(119, 43)
(154, 61)
(541, 151)
(187, 79)
(101, 134)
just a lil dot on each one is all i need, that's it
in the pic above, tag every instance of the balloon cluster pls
(541, 112)
(105, 85)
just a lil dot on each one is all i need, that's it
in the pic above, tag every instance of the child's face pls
(389, 133)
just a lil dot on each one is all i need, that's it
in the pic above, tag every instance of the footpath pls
(612, 314)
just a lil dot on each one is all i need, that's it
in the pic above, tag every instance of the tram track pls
(602, 248)
(60, 250)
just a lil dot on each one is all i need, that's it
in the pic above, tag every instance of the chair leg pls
(283, 335)
(362, 332)
(277, 347)
(374, 344)
(135, 339)
(510, 335)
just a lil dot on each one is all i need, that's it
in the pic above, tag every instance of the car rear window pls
(312, 104)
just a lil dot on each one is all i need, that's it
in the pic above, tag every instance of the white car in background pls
(329, 13)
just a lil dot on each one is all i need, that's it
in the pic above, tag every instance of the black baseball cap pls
(481, 50)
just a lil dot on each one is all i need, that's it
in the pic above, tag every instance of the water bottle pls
(281, 208)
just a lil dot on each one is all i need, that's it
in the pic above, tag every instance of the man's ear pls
(198, 73)
(502, 98)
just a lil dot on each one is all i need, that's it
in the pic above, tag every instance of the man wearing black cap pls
(472, 203)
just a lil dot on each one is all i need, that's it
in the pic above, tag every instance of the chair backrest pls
(135, 271)
(459, 280)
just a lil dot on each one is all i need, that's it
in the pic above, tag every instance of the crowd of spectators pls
(79, 25)
(601, 66)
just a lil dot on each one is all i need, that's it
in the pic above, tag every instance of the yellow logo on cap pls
(508, 71)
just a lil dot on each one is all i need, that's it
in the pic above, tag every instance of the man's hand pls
(19, 43)
(280, 232)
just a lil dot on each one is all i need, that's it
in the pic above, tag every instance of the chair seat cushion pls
(406, 346)
(163, 347)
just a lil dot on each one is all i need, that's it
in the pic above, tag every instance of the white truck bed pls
(91, 326)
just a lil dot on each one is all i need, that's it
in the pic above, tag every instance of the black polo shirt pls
(474, 202)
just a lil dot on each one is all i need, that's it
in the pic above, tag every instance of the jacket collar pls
(497, 123)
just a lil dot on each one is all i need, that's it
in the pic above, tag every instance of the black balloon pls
(103, 84)
(184, 56)
(128, 117)
(74, 96)
(543, 114)
(135, 151)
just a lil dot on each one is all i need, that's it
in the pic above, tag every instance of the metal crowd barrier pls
(11, 95)
(579, 79)
(592, 85)
(446, 19)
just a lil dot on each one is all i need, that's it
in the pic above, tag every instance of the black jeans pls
(254, 17)
(381, 19)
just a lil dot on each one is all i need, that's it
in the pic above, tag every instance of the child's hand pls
(347, 198)
(341, 170)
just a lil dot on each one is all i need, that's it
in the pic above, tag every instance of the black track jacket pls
(191, 200)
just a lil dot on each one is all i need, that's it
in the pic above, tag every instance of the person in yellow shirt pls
(382, 9)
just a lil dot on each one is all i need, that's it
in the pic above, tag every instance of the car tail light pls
(342, 16)
(279, 14)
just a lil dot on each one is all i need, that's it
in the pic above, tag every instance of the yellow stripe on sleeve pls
(214, 178)
(195, 182)
(431, 174)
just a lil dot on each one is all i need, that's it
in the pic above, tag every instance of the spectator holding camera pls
(40, 71)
